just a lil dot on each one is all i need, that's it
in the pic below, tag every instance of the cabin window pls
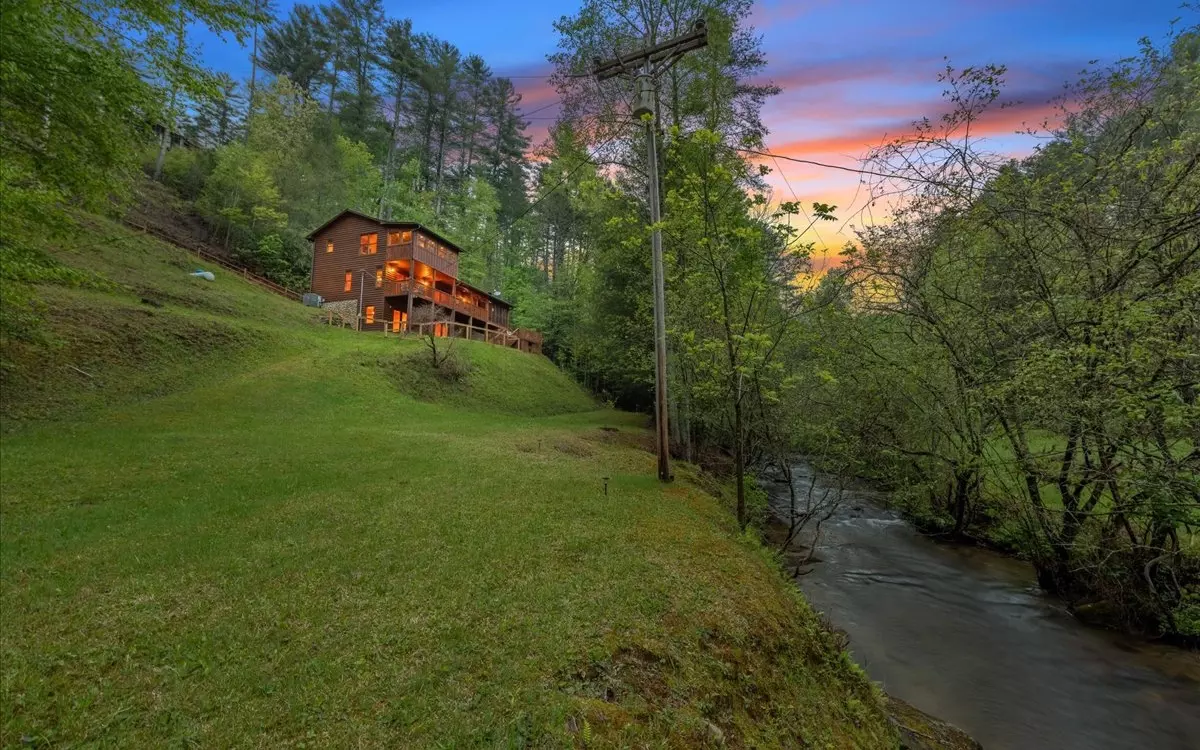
(368, 244)
(349, 281)
(329, 246)
(370, 313)
(395, 320)
(378, 276)
(393, 238)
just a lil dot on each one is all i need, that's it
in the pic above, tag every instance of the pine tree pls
(504, 153)
(332, 30)
(444, 74)
(296, 49)
(217, 120)
(470, 125)
(263, 10)
(360, 40)
(400, 67)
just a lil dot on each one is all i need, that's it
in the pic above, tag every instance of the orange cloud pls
(856, 142)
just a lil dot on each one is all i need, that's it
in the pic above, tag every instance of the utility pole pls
(643, 67)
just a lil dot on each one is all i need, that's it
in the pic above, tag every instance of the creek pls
(964, 633)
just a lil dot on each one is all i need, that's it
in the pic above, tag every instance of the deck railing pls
(437, 296)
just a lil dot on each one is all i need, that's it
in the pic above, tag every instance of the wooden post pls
(408, 313)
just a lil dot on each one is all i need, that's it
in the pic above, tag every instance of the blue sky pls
(852, 71)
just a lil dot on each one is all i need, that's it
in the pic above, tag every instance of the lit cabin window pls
(406, 237)
(370, 313)
(395, 320)
(378, 276)
(349, 281)
(329, 246)
(368, 244)
(393, 238)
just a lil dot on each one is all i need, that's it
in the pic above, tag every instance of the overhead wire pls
(811, 222)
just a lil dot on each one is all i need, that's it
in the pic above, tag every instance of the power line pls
(810, 162)
(546, 77)
(539, 109)
(811, 223)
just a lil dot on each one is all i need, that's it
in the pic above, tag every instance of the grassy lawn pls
(302, 547)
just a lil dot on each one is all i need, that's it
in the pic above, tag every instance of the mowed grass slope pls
(300, 552)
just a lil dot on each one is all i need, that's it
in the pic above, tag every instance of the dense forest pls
(1013, 351)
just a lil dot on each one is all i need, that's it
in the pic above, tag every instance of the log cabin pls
(398, 272)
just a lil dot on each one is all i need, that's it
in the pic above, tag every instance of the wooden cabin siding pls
(425, 250)
(329, 269)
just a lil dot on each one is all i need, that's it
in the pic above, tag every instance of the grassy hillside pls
(133, 323)
(241, 528)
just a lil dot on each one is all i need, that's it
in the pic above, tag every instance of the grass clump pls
(485, 378)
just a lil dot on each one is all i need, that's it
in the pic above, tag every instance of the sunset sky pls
(852, 72)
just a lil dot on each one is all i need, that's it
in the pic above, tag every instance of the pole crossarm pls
(664, 52)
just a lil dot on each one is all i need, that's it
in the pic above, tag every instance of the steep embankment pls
(224, 524)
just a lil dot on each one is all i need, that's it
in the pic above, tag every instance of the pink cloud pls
(858, 140)
(783, 11)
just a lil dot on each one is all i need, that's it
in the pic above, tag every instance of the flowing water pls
(965, 634)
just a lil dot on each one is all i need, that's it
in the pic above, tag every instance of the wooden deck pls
(417, 289)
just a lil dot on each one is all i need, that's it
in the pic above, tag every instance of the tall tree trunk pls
(739, 460)
(389, 171)
(165, 142)
(441, 158)
(333, 81)
(253, 62)
(427, 143)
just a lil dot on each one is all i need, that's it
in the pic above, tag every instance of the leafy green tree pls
(78, 99)
(240, 195)
(735, 301)
(1037, 319)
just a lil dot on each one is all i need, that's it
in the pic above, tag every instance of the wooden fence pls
(225, 263)
(490, 335)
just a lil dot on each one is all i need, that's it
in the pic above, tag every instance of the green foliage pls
(78, 102)
(1017, 351)
(186, 170)
(1186, 615)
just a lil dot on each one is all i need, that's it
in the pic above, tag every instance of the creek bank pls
(920, 731)
(966, 635)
